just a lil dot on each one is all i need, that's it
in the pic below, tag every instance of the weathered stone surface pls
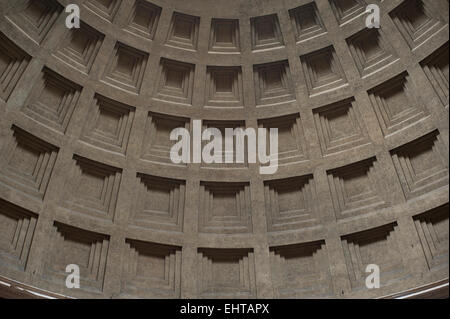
(85, 170)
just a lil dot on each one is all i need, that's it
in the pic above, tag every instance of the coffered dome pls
(86, 176)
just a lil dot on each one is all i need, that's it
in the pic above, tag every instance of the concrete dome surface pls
(87, 179)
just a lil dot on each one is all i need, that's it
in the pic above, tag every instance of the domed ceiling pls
(86, 176)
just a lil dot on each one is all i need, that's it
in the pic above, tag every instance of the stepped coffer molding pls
(87, 120)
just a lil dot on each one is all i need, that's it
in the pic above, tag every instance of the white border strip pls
(422, 292)
(41, 292)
